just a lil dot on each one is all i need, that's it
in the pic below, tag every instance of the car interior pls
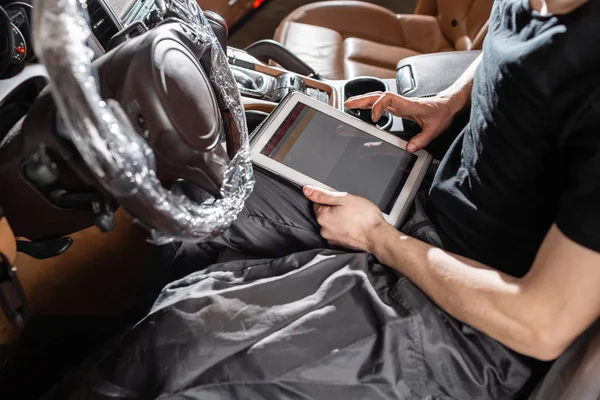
(80, 256)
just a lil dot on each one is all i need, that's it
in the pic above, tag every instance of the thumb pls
(421, 140)
(322, 196)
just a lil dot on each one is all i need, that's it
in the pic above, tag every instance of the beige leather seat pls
(346, 39)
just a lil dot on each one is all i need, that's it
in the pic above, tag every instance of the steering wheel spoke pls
(175, 106)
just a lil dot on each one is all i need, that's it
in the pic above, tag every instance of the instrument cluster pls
(15, 29)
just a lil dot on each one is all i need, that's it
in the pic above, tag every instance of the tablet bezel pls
(274, 121)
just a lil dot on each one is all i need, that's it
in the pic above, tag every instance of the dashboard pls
(21, 76)
(16, 48)
(107, 19)
(19, 22)
(15, 31)
(233, 11)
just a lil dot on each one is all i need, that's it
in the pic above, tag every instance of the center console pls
(264, 85)
(364, 85)
(261, 85)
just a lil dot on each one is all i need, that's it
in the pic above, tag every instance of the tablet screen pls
(340, 156)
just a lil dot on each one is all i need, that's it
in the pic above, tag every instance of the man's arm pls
(459, 92)
(538, 315)
(433, 114)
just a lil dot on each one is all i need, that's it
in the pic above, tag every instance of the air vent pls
(102, 24)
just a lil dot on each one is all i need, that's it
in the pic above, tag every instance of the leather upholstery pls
(231, 11)
(461, 20)
(8, 245)
(366, 58)
(320, 47)
(426, 7)
(428, 74)
(343, 39)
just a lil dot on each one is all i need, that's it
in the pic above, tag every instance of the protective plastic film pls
(121, 160)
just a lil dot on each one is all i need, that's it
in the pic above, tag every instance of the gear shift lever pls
(162, 7)
(267, 50)
(244, 80)
(252, 83)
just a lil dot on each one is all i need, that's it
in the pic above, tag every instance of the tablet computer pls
(307, 142)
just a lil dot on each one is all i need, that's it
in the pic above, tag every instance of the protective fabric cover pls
(119, 158)
(315, 325)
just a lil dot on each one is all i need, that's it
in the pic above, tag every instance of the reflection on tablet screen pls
(340, 156)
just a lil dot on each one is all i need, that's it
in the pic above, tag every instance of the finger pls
(364, 101)
(401, 106)
(365, 96)
(395, 104)
(400, 112)
(321, 196)
(420, 141)
(319, 209)
(381, 104)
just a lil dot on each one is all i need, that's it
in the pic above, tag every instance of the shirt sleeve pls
(578, 214)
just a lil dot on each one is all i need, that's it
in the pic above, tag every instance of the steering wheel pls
(7, 42)
(163, 108)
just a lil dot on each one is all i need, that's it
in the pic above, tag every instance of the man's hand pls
(538, 315)
(433, 114)
(345, 220)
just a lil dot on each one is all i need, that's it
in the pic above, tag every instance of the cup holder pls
(253, 119)
(364, 85)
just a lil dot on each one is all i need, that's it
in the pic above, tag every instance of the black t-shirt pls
(530, 155)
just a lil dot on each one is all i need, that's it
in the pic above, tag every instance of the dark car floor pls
(262, 23)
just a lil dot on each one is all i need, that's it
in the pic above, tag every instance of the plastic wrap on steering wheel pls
(119, 154)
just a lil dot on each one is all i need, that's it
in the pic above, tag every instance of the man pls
(515, 205)
(525, 171)
(517, 196)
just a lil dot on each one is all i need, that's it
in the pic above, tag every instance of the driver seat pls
(344, 39)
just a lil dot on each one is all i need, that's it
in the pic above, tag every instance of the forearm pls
(538, 315)
(482, 297)
(459, 93)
